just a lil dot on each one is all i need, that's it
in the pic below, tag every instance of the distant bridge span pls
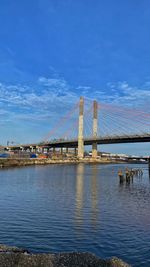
(100, 140)
(88, 141)
(121, 126)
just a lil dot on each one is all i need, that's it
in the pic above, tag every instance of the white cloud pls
(123, 94)
(59, 83)
(54, 96)
(49, 99)
(23, 96)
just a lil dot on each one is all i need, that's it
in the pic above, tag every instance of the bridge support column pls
(80, 130)
(61, 150)
(31, 149)
(22, 148)
(94, 145)
(75, 151)
(54, 150)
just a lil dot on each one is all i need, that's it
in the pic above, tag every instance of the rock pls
(8, 249)
(115, 262)
(16, 257)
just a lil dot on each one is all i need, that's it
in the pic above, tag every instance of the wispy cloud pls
(124, 94)
(25, 110)
(121, 93)
(50, 97)
(46, 100)
(47, 92)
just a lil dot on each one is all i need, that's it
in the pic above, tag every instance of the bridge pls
(93, 123)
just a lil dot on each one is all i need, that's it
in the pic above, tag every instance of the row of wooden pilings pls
(129, 174)
(81, 129)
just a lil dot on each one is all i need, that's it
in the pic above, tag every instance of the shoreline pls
(21, 162)
(13, 256)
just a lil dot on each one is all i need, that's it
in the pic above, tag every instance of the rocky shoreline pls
(18, 162)
(16, 257)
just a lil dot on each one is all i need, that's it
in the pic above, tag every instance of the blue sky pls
(53, 51)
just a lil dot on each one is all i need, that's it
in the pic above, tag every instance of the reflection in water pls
(79, 193)
(90, 197)
(94, 196)
(77, 208)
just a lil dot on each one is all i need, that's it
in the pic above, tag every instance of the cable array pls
(112, 120)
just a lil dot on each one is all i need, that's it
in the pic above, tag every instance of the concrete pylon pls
(61, 150)
(95, 115)
(75, 151)
(80, 130)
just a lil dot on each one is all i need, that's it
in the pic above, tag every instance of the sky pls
(54, 51)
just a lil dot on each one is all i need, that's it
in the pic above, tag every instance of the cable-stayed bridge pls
(93, 123)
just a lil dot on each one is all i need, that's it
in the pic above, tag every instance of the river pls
(74, 207)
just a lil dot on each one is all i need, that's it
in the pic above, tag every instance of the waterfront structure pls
(95, 137)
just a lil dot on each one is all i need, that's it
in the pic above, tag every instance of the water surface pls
(76, 208)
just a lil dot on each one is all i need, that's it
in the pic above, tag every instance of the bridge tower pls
(95, 115)
(80, 130)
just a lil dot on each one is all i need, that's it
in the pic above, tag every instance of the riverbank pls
(16, 257)
(18, 162)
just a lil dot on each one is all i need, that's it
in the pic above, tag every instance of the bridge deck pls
(88, 141)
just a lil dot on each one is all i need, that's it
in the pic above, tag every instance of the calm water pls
(76, 208)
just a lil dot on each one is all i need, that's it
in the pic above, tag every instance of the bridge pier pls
(75, 151)
(22, 148)
(54, 150)
(80, 131)
(95, 115)
(31, 149)
(39, 149)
